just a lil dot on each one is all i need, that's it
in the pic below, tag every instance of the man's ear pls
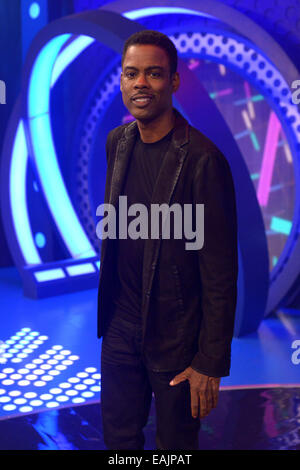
(121, 78)
(175, 81)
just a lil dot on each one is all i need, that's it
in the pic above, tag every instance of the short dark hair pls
(149, 36)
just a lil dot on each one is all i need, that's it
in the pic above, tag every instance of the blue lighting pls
(69, 54)
(151, 11)
(34, 10)
(80, 269)
(40, 239)
(44, 152)
(39, 87)
(18, 200)
(49, 275)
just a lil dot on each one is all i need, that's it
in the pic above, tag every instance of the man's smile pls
(142, 100)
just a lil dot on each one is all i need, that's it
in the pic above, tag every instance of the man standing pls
(166, 313)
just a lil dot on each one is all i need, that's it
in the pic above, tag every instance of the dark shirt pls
(139, 183)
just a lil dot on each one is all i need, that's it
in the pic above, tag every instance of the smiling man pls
(147, 85)
(166, 314)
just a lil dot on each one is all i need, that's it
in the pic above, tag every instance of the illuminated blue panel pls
(18, 202)
(49, 275)
(80, 269)
(98, 264)
(44, 152)
(151, 11)
(281, 225)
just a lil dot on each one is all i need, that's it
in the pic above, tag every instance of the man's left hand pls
(204, 391)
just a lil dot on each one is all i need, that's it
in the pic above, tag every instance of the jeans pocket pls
(119, 345)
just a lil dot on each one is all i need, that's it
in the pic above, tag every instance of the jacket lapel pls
(123, 153)
(121, 161)
(162, 193)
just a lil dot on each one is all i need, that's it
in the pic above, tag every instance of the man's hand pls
(204, 389)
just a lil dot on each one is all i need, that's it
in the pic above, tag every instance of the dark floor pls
(245, 419)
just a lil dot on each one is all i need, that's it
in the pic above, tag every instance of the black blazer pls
(189, 296)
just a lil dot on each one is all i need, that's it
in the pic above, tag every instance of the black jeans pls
(126, 394)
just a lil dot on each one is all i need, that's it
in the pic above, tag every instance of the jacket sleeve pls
(108, 145)
(218, 264)
(109, 149)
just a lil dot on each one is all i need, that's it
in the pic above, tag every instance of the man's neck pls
(155, 130)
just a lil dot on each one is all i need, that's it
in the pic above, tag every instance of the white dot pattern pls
(25, 389)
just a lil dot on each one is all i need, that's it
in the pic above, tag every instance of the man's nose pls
(141, 81)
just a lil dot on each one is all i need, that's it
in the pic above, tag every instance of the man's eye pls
(130, 74)
(155, 74)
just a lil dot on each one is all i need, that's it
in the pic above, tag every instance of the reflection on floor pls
(247, 419)
(50, 364)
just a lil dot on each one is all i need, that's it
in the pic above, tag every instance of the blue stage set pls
(244, 78)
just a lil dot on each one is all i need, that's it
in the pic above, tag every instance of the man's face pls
(146, 84)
